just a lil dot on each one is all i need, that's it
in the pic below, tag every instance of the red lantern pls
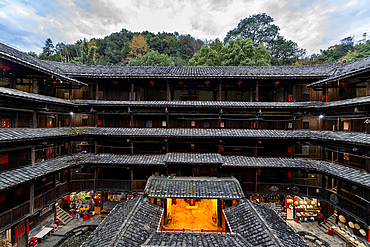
(239, 83)
(4, 68)
(163, 148)
(276, 83)
(290, 98)
(207, 83)
(222, 149)
(115, 83)
(66, 145)
(289, 150)
(152, 83)
(54, 83)
(180, 83)
(344, 84)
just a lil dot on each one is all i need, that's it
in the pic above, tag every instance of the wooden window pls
(4, 159)
(207, 124)
(84, 122)
(19, 191)
(306, 97)
(306, 125)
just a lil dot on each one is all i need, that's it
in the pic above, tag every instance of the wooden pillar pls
(219, 92)
(167, 118)
(255, 181)
(323, 94)
(132, 148)
(132, 92)
(257, 92)
(13, 82)
(96, 119)
(96, 147)
(292, 154)
(368, 88)
(251, 95)
(34, 86)
(16, 120)
(96, 178)
(70, 147)
(293, 123)
(70, 93)
(97, 91)
(368, 165)
(34, 119)
(55, 212)
(33, 155)
(32, 198)
(168, 92)
(294, 93)
(131, 178)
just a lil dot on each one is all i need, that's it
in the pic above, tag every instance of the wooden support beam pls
(219, 92)
(97, 91)
(257, 92)
(131, 178)
(251, 95)
(34, 120)
(33, 155)
(70, 94)
(34, 86)
(168, 92)
(32, 198)
(132, 92)
(294, 93)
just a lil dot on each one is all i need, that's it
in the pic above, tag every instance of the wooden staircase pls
(63, 217)
(330, 222)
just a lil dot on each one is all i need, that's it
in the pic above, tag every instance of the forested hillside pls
(119, 48)
(255, 41)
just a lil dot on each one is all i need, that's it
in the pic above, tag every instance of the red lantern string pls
(54, 83)
(276, 83)
(207, 83)
(4, 68)
(152, 83)
(344, 84)
(180, 83)
(115, 83)
(239, 83)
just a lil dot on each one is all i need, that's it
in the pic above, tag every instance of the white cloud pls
(313, 25)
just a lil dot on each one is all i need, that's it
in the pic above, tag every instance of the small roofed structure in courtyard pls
(190, 211)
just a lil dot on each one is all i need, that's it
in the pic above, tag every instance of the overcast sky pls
(313, 24)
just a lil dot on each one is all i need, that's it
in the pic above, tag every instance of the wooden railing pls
(114, 184)
(14, 214)
(49, 196)
(138, 185)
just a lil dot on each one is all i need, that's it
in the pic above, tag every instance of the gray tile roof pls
(7, 92)
(112, 159)
(195, 239)
(278, 227)
(25, 174)
(346, 70)
(11, 134)
(22, 175)
(261, 229)
(143, 221)
(109, 228)
(237, 72)
(193, 187)
(190, 158)
(10, 54)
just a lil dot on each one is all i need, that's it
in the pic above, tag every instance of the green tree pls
(260, 30)
(152, 58)
(239, 52)
(48, 49)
